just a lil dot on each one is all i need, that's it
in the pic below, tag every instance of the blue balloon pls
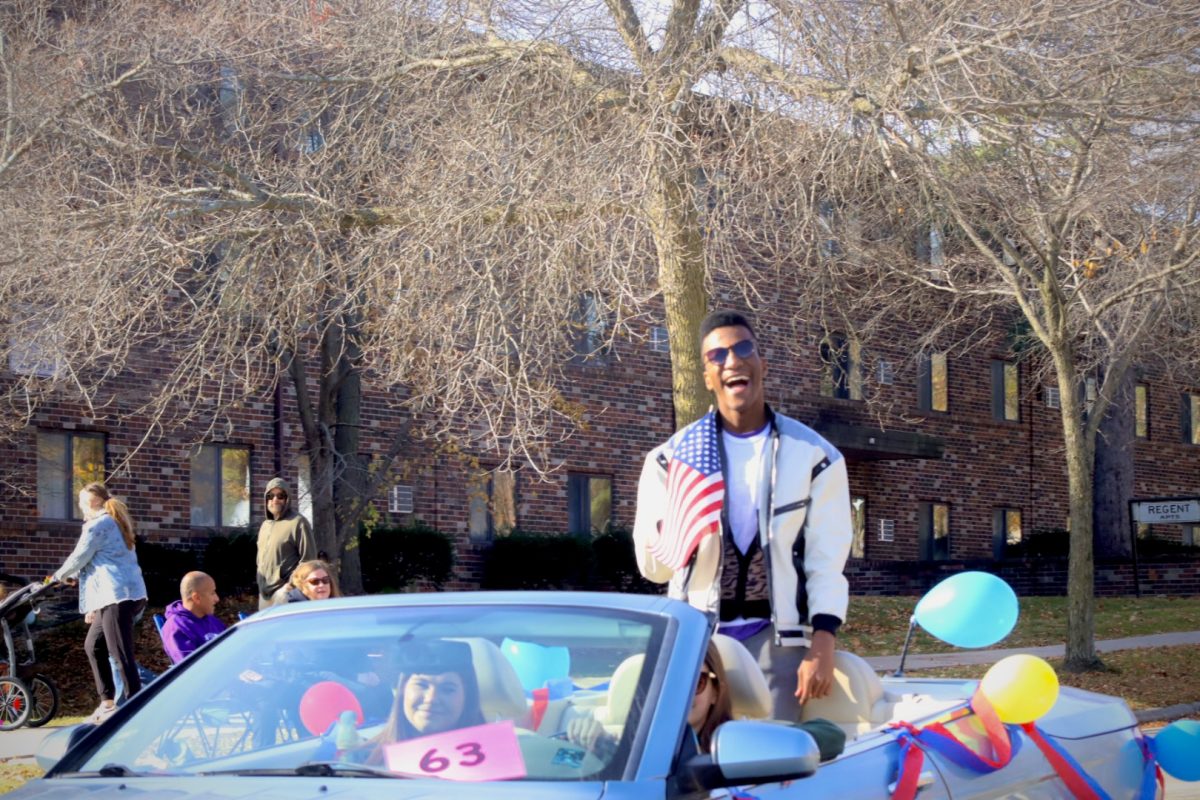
(536, 665)
(970, 609)
(1177, 747)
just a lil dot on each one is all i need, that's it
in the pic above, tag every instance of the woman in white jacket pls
(111, 590)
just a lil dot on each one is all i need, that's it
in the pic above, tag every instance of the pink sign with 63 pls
(480, 753)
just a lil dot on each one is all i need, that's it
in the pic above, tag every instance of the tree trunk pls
(350, 485)
(1080, 453)
(675, 225)
(1114, 473)
(324, 521)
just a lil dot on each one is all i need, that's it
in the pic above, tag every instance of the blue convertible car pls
(407, 696)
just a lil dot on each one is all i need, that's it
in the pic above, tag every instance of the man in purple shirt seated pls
(191, 621)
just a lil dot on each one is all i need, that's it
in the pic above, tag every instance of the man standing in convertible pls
(747, 513)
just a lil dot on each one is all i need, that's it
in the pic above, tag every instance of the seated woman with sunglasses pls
(711, 707)
(313, 580)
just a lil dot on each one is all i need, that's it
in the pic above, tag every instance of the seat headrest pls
(500, 692)
(856, 690)
(748, 693)
(622, 688)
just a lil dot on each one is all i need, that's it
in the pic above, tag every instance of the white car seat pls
(621, 690)
(858, 701)
(748, 693)
(500, 692)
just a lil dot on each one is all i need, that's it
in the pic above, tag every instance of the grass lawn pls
(1150, 678)
(12, 776)
(876, 625)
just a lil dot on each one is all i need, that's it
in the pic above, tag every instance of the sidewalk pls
(23, 742)
(960, 658)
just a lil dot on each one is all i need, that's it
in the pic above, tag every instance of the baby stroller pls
(26, 697)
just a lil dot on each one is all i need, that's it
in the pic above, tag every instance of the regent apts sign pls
(1177, 510)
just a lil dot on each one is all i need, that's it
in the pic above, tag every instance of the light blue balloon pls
(536, 664)
(1177, 747)
(970, 609)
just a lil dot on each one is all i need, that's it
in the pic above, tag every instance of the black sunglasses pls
(743, 349)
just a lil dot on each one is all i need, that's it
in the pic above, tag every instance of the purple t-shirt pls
(183, 631)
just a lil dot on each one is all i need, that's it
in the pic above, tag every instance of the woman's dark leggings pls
(112, 632)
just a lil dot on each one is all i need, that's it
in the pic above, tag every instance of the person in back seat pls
(712, 706)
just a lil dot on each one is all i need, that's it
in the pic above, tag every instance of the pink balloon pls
(324, 702)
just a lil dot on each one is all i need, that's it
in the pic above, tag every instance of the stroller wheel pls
(43, 701)
(15, 703)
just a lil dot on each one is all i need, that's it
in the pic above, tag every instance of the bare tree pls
(419, 196)
(327, 200)
(1050, 148)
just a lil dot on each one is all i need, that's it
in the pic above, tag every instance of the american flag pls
(695, 492)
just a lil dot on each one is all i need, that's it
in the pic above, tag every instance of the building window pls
(1189, 536)
(589, 503)
(933, 390)
(931, 245)
(221, 486)
(858, 519)
(1006, 391)
(841, 372)
(1006, 531)
(935, 531)
(66, 463)
(1141, 411)
(1189, 415)
(827, 215)
(33, 343)
(492, 504)
(1091, 393)
(591, 330)
(659, 341)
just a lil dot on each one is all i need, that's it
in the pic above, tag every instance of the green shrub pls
(230, 560)
(1044, 543)
(523, 560)
(162, 568)
(393, 559)
(616, 567)
(1153, 546)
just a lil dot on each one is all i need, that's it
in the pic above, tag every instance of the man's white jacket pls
(803, 522)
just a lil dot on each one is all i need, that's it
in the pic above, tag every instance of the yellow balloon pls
(1021, 688)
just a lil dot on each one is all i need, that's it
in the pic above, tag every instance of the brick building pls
(966, 463)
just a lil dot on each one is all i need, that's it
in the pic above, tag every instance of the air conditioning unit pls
(887, 530)
(885, 373)
(400, 500)
(1050, 393)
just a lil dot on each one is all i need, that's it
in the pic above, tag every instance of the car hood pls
(289, 788)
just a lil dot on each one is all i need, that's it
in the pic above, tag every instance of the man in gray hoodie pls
(284, 540)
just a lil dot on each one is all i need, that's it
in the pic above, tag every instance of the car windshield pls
(453, 692)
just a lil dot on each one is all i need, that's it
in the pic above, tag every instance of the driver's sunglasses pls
(319, 581)
(706, 675)
(743, 349)
(277, 496)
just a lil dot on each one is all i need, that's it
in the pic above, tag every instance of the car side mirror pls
(751, 752)
(56, 744)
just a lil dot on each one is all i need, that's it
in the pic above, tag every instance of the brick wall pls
(626, 409)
